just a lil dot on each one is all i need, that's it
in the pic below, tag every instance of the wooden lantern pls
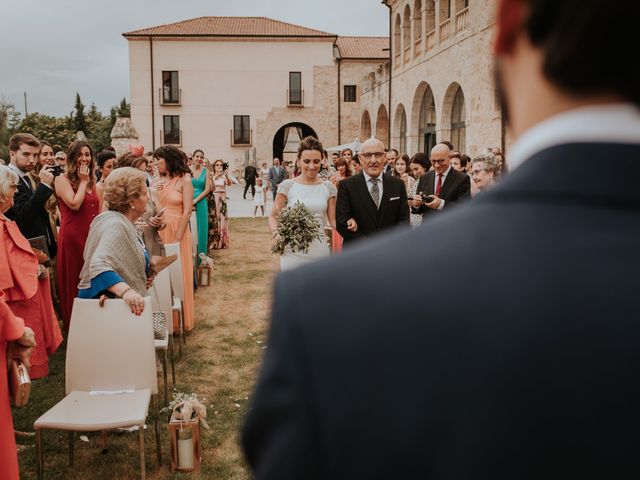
(186, 452)
(204, 275)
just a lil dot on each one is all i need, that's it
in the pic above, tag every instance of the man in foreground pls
(533, 372)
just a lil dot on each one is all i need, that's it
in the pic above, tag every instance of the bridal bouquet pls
(297, 229)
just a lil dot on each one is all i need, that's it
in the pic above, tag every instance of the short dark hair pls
(464, 159)
(309, 143)
(423, 160)
(583, 45)
(393, 150)
(19, 138)
(103, 156)
(174, 158)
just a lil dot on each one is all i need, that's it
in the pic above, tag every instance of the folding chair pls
(162, 293)
(177, 283)
(162, 344)
(110, 375)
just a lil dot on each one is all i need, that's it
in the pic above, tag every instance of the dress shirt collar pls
(444, 174)
(368, 177)
(613, 123)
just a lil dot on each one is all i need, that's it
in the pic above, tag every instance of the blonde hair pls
(7, 178)
(123, 185)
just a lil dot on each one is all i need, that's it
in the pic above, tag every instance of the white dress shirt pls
(368, 178)
(613, 123)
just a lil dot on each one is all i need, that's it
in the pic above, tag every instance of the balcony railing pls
(431, 40)
(240, 142)
(295, 98)
(462, 20)
(171, 138)
(445, 30)
(170, 96)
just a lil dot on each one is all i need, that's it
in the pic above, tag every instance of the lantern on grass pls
(187, 413)
(204, 270)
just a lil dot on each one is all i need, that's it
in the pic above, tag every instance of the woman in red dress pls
(79, 205)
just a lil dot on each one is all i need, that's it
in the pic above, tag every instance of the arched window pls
(402, 144)
(382, 125)
(365, 126)
(397, 46)
(427, 122)
(406, 32)
(417, 23)
(458, 126)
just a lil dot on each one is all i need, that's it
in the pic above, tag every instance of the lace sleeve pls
(333, 191)
(285, 186)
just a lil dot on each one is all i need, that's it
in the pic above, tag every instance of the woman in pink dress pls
(175, 195)
(79, 205)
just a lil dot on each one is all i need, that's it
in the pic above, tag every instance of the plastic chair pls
(162, 293)
(162, 344)
(110, 375)
(177, 283)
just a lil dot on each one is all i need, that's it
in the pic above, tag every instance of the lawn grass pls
(220, 363)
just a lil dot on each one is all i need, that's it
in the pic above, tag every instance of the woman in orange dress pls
(25, 283)
(175, 195)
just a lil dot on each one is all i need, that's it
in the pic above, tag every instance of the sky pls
(54, 48)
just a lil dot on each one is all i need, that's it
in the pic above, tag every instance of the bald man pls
(441, 187)
(370, 201)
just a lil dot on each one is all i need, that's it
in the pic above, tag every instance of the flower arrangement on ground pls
(297, 229)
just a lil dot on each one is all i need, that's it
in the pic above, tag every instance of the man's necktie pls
(375, 192)
(439, 185)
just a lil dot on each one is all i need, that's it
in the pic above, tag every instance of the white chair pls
(162, 344)
(110, 375)
(193, 223)
(177, 283)
(161, 289)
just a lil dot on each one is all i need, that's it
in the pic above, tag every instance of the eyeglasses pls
(475, 172)
(369, 155)
(439, 162)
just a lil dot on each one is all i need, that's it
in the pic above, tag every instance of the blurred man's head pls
(392, 156)
(554, 56)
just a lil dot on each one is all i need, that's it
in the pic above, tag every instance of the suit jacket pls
(354, 201)
(250, 173)
(276, 176)
(530, 373)
(29, 213)
(456, 187)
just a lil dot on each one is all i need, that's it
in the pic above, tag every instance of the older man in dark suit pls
(277, 175)
(441, 187)
(370, 201)
(532, 373)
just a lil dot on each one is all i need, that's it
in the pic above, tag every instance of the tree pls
(7, 109)
(125, 108)
(79, 119)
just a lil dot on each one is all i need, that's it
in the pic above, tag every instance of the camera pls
(56, 170)
(427, 198)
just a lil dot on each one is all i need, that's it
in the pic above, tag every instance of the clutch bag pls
(19, 383)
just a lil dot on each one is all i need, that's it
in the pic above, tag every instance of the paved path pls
(238, 207)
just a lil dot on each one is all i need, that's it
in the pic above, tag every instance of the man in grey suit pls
(531, 373)
(277, 175)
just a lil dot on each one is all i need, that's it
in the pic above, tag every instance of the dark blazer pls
(456, 187)
(250, 173)
(532, 373)
(30, 215)
(354, 201)
(276, 176)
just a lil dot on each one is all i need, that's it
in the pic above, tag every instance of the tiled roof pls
(364, 47)
(230, 27)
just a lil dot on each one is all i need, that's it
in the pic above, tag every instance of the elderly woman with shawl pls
(116, 263)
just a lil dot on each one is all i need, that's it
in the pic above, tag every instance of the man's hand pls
(352, 226)
(417, 201)
(435, 203)
(46, 176)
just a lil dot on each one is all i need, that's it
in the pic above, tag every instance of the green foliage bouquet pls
(297, 229)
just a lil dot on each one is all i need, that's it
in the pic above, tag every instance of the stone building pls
(238, 87)
(439, 82)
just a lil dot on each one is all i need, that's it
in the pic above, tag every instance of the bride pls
(317, 195)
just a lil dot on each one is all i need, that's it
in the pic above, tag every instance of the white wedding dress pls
(315, 198)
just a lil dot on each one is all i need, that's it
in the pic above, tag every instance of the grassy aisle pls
(220, 362)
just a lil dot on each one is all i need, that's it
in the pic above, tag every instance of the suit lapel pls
(428, 183)
(365, 196)
(386, 195)
(451, 177)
